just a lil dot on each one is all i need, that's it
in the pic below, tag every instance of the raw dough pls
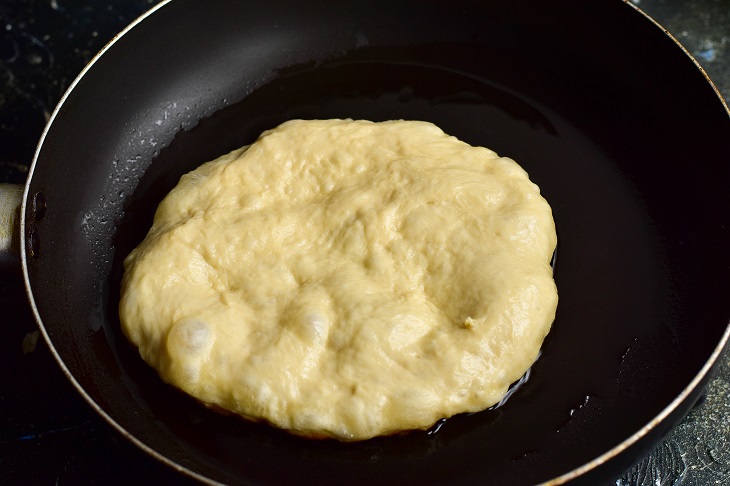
(346, 279)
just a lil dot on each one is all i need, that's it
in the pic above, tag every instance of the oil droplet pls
(436, 427)
(573, 412)
(33, 242)
(39, 206)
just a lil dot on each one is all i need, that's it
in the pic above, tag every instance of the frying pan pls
(623, 133)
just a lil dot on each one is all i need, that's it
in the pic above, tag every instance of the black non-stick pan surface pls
(603, 110)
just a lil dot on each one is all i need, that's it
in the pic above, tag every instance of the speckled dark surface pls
(49, 435)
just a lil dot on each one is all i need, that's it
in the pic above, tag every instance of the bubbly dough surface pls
(346, 279)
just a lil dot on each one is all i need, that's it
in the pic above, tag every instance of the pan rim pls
(686, 53)
(709, 364)
(660, 417)
(574, 474)
(25, 272)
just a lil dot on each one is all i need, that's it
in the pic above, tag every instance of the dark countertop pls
(49, 435)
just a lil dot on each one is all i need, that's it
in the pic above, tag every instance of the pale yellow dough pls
(346, 279)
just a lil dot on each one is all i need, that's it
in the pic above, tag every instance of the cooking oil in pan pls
(601, 226)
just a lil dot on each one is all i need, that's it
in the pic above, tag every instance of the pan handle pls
(11, 197)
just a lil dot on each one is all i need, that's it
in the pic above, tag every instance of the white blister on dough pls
(188, 344)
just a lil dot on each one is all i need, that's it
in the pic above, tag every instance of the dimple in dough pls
(346, 279)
